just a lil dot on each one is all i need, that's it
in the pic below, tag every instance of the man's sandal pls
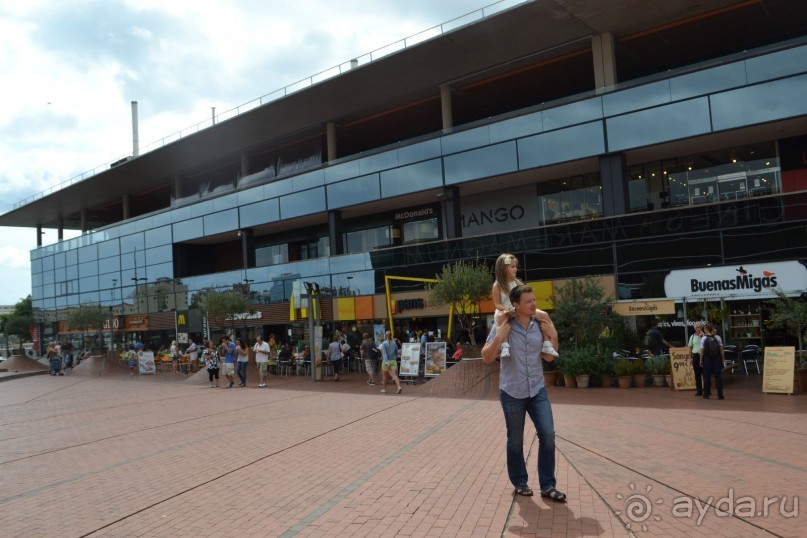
(554, 495)
(524, 491)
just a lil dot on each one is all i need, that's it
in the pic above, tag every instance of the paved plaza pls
(119, 455)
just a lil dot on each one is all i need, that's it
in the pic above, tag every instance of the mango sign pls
(683, 375)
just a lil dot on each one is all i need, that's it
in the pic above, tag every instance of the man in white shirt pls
(262, 350)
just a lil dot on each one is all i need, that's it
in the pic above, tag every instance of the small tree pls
(221, 306)
(87, 317)
(462, 286)
(581, 313)
(19, 321)
(791, 314)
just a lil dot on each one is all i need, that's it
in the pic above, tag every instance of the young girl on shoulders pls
(506, 269)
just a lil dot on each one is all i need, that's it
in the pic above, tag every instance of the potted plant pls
(657, 367)
(602, 368)
(639, 373)
(623, 368)
(568, 368)
(583, 364)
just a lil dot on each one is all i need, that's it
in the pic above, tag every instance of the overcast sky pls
(69, 70)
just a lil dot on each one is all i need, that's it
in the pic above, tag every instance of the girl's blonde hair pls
(500, 269)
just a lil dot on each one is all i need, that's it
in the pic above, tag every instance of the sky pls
(69, 70)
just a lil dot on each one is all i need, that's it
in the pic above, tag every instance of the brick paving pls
(165, 455)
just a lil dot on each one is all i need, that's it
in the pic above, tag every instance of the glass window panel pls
(302, 203)
(313, 267)
(421, 231)
(346, 284)
(88, 283)
(71, 272)
(278, 188)
(111, 282)
(260, 213)
(419, 152)
(71, 257)
(573, 113)
(36, 266)
(133, 242)
(761, 103)
(88, 254)
(308, 180)
(272, 255)
(316, 249)
(562, 145)
(164, 270)
(777, 64)
(412, 178)
(48, 290)
(107, 265)
(47, 263)
(182, 213)
(472, 138)
(353, 191)
(223, 203)
(669, 122)
(479, 163)
(48, 277)
(108, 248)
(162, 254)
(707, 81)
(36, 280)
(366, 240)
(88, 269)
(380, 161)
(529, 124)
(647, 95)
(59, 260)
(158, 236)
(90, 298)
(224, 221)
(133, 260)
(341, 171)
(351, 262)
(201, 209)
(188, 229)
(250, 196)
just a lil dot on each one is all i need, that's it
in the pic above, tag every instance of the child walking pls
(506, 269)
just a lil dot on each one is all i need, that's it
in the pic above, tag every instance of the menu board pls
(410, 360)
(778, 369)
(683, 375)
(435, 358)
(145, 362)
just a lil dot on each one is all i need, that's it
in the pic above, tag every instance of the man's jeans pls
(540, 411)
(241, 370)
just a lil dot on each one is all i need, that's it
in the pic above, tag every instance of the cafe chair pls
(283, 368)
(750, 355)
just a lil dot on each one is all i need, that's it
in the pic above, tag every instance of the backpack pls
(711, 348)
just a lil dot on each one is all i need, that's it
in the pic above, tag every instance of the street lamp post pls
(136, 280)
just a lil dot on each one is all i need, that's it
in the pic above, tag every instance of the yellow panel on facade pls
(543, 294)
(345, 309)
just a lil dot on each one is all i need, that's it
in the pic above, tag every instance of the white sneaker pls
(262, 385)
(383, 390)
(504, 352)
(548, 349)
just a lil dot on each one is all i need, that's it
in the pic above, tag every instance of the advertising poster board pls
(410, 360)
(778, 369)
(683, 375)
(435, 359)
(145, 363)
(379, 332)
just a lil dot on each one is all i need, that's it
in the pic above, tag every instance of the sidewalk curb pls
(18, 375)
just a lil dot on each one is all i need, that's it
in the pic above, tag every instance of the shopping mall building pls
(662, 148)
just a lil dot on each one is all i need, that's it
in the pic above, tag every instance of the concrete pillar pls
(614, 180)
(126, 202)
(244, 164)
(446, 107)
(602, 48)
(330, 137)
(61, 229)
(452, 215)
(178, 187)
(39, 234)
(83, 220)
(335, 232)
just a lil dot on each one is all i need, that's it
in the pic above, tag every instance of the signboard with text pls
(746, 281)
(778, 369)
(683, 375)
(435, 359)
(145, 363)
(410, 360)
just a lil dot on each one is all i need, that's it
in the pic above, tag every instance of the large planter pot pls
(658, 380)
(625, 381)
(551, 378)
(582, 381)
(606, 380)
(639, 380)
(569, 381)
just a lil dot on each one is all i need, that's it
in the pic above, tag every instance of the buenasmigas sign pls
(741, 281)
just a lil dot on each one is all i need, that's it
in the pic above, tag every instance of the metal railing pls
(289, 89)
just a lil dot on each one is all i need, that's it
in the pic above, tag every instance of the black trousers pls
(696, 365)
(712, 367)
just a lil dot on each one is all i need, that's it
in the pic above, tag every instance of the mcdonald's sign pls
(182, 321)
